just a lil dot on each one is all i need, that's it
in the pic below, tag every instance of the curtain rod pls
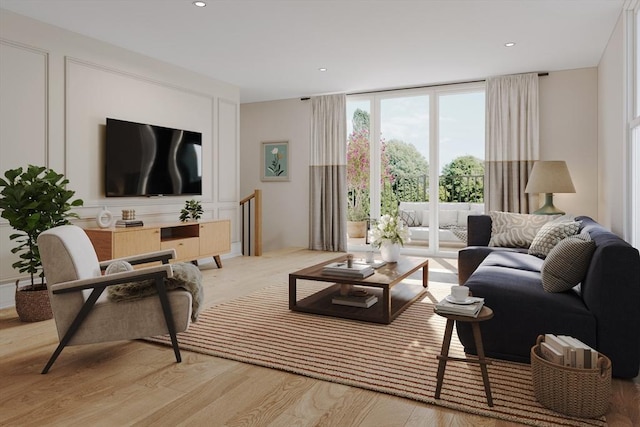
(417, 87)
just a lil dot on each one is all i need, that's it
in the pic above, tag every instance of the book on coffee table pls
(359, 271)
(355, 301)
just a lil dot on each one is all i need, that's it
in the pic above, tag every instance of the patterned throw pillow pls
(567, 263)
(516, 230)
(550, 234)
(409, 218)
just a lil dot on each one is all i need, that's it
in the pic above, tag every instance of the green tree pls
(410, 170)
(361, 121)
(462, 180)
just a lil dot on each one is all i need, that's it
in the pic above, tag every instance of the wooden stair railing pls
(254, 200)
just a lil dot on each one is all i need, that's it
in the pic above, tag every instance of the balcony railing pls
(456, 188)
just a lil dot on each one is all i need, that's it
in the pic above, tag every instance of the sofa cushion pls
(409, 217)
(477, 207)
(425, 218)
(550, 234)
(567, 263)
(522, 311)
(515, 230)
(453, 206)
(447, 218)
(513, 259)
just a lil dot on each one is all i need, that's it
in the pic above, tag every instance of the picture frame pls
(275, 161)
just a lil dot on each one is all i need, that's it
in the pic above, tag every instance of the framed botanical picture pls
(275, 161)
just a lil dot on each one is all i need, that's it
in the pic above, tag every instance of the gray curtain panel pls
(512, 142)
(327, 174)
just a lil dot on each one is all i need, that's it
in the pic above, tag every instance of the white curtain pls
(512, 141)
(327, 174)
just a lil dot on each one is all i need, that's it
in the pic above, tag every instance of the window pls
(425, 148)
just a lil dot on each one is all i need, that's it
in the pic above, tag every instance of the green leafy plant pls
(192, 208)
(33, 201)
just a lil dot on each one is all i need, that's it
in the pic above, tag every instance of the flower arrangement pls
(390, 229)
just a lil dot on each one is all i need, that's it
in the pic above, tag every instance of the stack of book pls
(356, 271)
(129, 223)
(363, 300)
(568, 351)
(470, 307)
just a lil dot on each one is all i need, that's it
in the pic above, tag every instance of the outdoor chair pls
(81, 309)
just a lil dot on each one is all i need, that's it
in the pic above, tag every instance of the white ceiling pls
(273, 49)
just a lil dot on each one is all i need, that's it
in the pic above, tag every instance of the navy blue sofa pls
(603, 311)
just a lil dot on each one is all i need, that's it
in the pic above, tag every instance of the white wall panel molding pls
(24, 123)
(228, 153)
(120, 72)
(94, 92)
(24, 98)
(232, 213)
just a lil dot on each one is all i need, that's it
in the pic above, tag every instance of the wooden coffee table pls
(390, 283)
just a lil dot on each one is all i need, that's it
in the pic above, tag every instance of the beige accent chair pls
(82, 312)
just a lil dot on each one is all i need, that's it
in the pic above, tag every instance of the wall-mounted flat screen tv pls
(149, 160)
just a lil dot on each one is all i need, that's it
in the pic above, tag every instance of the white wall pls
(285, 204)
(611, 128)
(568, 131)
(56, 90)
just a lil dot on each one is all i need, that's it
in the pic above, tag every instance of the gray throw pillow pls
(567, 263)
(550, 234)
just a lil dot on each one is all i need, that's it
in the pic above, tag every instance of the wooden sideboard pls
(191, 240)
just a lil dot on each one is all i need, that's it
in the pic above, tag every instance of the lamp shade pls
(550, 177)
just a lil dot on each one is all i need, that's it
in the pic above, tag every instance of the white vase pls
(104, 218)
(390, 252)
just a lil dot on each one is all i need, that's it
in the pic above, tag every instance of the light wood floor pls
(137, 383)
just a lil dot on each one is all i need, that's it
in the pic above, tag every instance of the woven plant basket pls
(576, 392)
(33, 306)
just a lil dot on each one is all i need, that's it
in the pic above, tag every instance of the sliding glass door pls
(418, 153)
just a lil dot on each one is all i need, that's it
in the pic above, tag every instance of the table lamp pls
(549, 177)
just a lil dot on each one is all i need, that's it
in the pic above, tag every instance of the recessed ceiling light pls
(509, 44)
(322, 69)
(199, 3)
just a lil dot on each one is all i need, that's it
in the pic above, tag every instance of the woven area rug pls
(397, 359)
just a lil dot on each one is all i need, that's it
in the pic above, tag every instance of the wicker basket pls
(576, 392)
(33, 306)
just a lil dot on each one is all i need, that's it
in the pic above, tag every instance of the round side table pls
(485, 314)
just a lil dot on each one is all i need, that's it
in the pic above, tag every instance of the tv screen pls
(148, 160)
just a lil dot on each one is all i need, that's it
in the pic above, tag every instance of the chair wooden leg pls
(168, 315)
(82, 314)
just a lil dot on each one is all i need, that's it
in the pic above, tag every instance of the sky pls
(406, 118)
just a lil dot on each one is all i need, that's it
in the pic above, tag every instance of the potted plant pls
(33, 201)
(192, 208)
